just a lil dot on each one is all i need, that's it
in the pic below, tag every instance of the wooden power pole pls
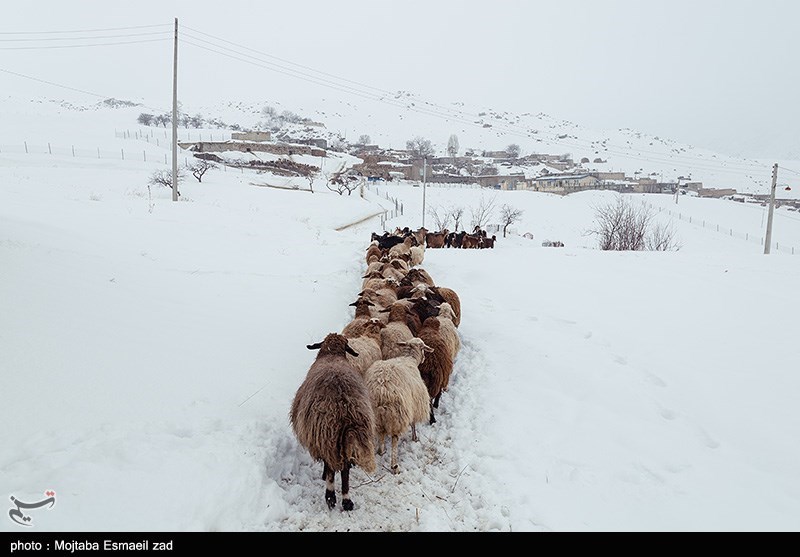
(768, 238)
(175, 117)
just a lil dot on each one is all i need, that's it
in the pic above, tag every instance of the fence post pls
(144, 155)
(26, 147)
(165, 158)
(731, 231)
(73, 150)
(123, 153)
(49, 150)
(98, 152)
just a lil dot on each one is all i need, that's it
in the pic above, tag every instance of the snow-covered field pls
(150, 349)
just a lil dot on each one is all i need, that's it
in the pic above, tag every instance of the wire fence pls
(159, 136)
(726, 230)
(122, 154)
(388, 214)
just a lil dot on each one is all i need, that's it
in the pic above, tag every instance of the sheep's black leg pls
(414, 432)
(436, 400)
(432, 418)
(330, 494)
(395, 466)
(347, 504)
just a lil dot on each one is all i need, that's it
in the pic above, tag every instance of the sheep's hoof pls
(347, 505)
(330, 498)
(395, 469)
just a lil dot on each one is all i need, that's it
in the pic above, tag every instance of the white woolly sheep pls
(332, 416)
(367, 346)
(448, 329)
(396, 330)
(399, 397)
(417, 255)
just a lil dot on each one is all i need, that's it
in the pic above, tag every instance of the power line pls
(80, 45)
(288, 61)
(82, 30)
(318, 80)
(68, 87)
(460, 116)
(86, 38)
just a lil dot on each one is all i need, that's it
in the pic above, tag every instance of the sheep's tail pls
(359, 445)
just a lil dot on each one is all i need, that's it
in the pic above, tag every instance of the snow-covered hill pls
(151, 349)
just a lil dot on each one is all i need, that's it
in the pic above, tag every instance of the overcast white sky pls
(722, 74)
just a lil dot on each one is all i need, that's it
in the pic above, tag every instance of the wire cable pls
(84, 30)
(81, 45)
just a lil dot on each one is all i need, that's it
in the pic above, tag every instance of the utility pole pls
(768, 238)
(175, 117)
(424, 179)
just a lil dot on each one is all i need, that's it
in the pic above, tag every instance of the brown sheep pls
(373, 251)
(438, 366)
(471, 241)
(362, 316)
(436, 239)
(332, 417)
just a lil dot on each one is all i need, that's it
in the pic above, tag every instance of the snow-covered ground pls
(151, 349)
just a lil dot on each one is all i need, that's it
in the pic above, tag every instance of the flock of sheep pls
(386, 371)
(477, 239)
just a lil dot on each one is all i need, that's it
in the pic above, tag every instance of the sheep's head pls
(446, 311)
(373, 328)
(333, 345)
(415, 348)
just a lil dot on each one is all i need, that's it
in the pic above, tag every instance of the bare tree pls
(420, 147)
(164, 178)
(199, 167)
(513, 151)
(508, 216)
(364, 139)
(163, 119)
(441, 218)
(311, 176)
(482, 212)
(340, 182)
(456, 213)
(621, 226)
(452, 146)
(145, 119)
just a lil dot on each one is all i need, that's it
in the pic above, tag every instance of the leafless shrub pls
(199, 167)
(482, 212)
(662, 238)
(621, 226)
(164, 178)
(441, 217)
(340, 181)
(456, 213)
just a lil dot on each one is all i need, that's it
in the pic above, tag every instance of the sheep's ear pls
(351, 351)
(426, 348)
(316, 346)
(402, 343)
(383, 310)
